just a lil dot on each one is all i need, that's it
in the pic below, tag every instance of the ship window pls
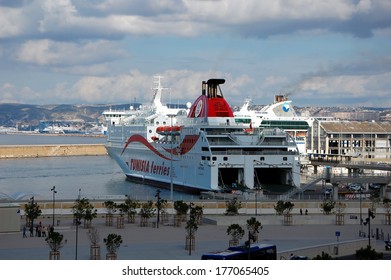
(150, 131)
(164, 123)
(157, 122)
(262, 158)
(285, 158)
(225, 158)
(214, 158)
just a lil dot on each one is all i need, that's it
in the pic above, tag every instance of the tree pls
(253, 227)
(233, 207)
(327, 206)
(83, 209)
(110, 206)
(387, 205)
(283, 207)
(236, 232)
(112, 242)
(323, 256)
(32, 211)
(197, 213)
(93, 236)
(368, 254)
(146, 212)
(132, 206)
(55, 241)
(181, 207)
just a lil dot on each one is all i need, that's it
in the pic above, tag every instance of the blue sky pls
(321, 53)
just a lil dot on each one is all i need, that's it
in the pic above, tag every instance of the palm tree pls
(146, 212)
(110, 206)
(236, 232)
(253, 227)
(112, 242)
(55, 242)
(132, 206)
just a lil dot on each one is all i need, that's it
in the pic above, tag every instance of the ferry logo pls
(285, 107)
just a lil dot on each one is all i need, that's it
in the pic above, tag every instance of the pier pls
(54, 150)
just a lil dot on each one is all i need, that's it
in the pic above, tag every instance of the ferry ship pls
(201, 147)
(280, 114)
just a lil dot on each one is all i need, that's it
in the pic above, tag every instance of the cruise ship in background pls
(201, 147)
(280, 114)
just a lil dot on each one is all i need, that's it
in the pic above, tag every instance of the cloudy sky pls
(320, 52)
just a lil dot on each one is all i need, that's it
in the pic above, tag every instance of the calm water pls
(96, 176)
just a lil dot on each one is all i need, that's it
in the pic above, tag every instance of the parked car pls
(355, 187)
(375, 186)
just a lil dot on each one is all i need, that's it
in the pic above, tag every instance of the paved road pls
(168, 242)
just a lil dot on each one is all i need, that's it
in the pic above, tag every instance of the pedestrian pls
(306, 211)
(31, 231)
(24, 232)
(301, 211)
(43, 231)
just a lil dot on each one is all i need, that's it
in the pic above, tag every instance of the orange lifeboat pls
(160, 130)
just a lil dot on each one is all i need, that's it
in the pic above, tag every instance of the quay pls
(35, 151)
(308, 235)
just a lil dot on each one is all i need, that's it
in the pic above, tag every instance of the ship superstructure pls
(280, 114)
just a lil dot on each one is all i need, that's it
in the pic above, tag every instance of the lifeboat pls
(168, 130)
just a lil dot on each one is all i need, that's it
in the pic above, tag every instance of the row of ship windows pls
(226, 158)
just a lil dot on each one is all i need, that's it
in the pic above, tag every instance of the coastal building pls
(368, 140)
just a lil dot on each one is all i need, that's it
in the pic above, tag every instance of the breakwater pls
(53, 150)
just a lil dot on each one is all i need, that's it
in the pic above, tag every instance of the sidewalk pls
(168, 242)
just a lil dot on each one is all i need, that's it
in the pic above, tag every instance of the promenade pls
(168, 242)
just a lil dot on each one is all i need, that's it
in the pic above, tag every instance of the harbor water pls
(93, 177)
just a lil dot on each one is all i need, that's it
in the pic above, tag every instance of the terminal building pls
(370, 141)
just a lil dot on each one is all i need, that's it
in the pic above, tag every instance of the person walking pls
(24, 232)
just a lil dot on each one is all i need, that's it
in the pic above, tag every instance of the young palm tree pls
(112, 242)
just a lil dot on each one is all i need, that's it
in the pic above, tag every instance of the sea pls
(92, 177)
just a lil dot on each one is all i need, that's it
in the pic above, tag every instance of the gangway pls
(304, 188)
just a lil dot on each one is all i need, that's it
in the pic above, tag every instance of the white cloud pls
(11, 22)
(48, 52)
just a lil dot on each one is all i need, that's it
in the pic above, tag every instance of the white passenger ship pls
(201, 148)
(280, 114)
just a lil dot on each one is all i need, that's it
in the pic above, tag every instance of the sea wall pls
(55, 150)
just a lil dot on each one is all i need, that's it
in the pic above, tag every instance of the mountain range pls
(28, 116)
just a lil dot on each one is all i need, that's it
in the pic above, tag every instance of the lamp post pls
(256, 200)
(368, 222)
(171, 179)
(157, 195)
(192, 220)
(54, 200)
(77, 235)
(33, 210)
(361, 212)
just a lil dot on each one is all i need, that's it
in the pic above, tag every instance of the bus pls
(243, 252)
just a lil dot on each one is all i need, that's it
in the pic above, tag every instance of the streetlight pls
(171, 179)
(77, 221)
(33, 212)
(191, 220)
(361, 221)
(368, 222)
(257, 189)
(54, 199)
(157, 195)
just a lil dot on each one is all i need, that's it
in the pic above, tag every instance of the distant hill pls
(12, 115)
(27, 116)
